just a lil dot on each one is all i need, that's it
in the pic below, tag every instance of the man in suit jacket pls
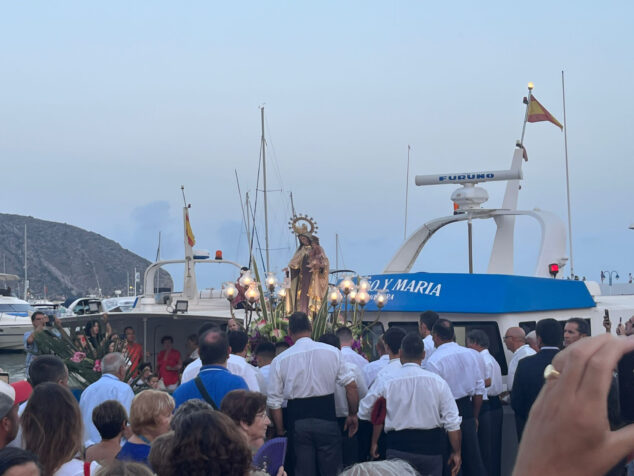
(529, 377)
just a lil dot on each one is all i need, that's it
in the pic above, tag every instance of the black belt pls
(423, 442)
(322, 408)
(465, 407)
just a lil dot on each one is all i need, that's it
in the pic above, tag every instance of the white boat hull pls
(12, 329)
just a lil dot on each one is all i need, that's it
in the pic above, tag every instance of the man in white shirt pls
(237, 364)
(490, 421)
(419, 409)
(392, 338)
(264, 355)
(349, 355)
(515, 340)
(426, 323)
(349, 446)
(462, 370)
(306, 375)
(373, 368)
(109, 387)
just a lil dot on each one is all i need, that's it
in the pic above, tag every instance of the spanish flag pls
(188, 230)
(538, 113)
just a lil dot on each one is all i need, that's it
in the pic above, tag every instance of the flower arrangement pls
(82, 358)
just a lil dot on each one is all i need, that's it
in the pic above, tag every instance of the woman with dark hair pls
(248, 412)
(110, 419)
(207, 442)
(52, 429)
(95, 333)
(20, 461)
(169, 363)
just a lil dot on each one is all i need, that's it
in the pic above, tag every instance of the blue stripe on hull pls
(478, 293)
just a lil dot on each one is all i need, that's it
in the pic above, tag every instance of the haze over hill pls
(64, 260)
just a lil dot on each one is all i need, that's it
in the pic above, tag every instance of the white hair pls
(391, 467)
(111, 363)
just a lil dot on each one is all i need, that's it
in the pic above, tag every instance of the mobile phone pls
(51, 320)
(4, 376)
(626, 387)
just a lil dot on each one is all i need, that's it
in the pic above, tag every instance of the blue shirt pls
(108, 387)
(135, 452)
(218, 381)
(32, 350)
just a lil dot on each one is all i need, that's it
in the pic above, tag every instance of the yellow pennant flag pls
(538, 113)
(188, 230)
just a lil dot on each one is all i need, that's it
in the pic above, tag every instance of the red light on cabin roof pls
(553, 268)
(218, 254)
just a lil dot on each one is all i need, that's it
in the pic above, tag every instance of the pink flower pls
(260, 324)
(277, 333)
(78, 357)
(97, 367)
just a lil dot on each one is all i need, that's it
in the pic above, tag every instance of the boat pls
(495, 300)
(14, 317)
(157, 312)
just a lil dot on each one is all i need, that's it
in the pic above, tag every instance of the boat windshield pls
(11, 308)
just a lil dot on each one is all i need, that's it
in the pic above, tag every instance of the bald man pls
(515, 340)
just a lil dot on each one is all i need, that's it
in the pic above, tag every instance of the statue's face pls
(304, 240)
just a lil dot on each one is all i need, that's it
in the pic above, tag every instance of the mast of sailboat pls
(409, 148)
(157, 282)
(26, 277)
(563, 94)
(266, 210)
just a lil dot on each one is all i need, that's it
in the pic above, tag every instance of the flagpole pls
(528, 102)
(406, 192)
(563, 94)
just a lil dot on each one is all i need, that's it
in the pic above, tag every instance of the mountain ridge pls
(64, 260)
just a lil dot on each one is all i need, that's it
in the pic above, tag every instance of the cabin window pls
(496, 347)
(372, 332)
(528, 326)
(411, 326)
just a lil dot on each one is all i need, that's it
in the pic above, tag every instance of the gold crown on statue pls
(302, 225)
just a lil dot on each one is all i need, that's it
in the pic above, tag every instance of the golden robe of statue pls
(309, 268)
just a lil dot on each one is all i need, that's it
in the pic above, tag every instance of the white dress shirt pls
(264, 378)
(371, 370)
(238, 365)
(518, 355)
(191, 371)
(367, 402)
(353, 357)
(418, 399)
(462, 369)
(341, 402)
(108, 387)
(493, 372)
(306, 369)
(428, 343)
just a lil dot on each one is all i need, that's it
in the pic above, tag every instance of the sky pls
(109, 107)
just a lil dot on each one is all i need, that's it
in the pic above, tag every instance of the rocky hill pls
(65, 261)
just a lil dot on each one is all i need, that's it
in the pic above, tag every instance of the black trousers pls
(349, 446)
(472, 464)
(317, 447)
(426, 465)
(490, 438)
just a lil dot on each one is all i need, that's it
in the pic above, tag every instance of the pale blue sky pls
(108, 108)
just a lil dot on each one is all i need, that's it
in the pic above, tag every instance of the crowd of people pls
(426, 406)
